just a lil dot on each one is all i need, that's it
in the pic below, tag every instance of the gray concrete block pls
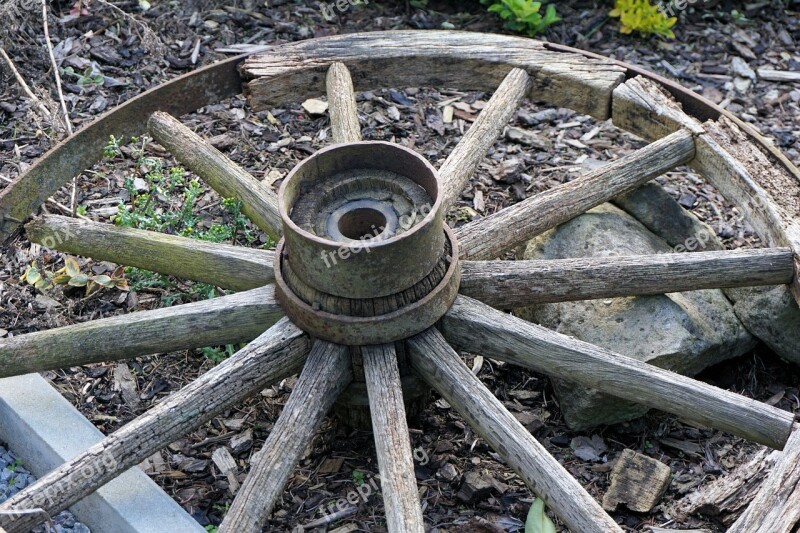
(45, 430)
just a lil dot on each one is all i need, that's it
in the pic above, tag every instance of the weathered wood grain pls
(275, 355)
(223, 175)
(437, 363)
(641, 107)
(489, 237)
(392, 440)
(342, 105)
(230, 267)
(470, 151)
(326, 374)
(226, 320)
(758, 182)
(775, 509)
(637, 481)
(480, 329)
(728, 496)
(464, 60)
(511, 284)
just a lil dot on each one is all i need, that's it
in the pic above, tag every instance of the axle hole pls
(362, 223)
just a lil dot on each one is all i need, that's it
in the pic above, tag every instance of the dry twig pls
(57, 74)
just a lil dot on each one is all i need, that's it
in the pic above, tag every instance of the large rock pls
(769, 313)
(684, 332)
(772, 315)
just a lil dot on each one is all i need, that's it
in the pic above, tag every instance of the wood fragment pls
(474, 326)
(392, 440)
(326, 374)
(489, 237)
(788, 76)
(275, 355)
(775, 508)
(227, 467)
(223, 175)
(638, 482)
(471, 150)
(221, 265)
(728, 496)
(443, 369)
(226, 320)
(125, 383)
(512, 284)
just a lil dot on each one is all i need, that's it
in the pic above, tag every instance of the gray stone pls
(772, 315)
(684, 332)
(658, 211)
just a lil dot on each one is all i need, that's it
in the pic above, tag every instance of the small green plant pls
(164, 199)
(642, 16)
(523, 16)
(739, 17)
(70, 275)
(217, 355)
(88, 77)
(358, 477)
(212, 529)
(17, 463)
(112, 149)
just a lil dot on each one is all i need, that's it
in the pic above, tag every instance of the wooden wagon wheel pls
(682, 127)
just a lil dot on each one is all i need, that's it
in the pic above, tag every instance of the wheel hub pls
(366, 257)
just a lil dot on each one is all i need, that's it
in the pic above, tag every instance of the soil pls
(133, 50)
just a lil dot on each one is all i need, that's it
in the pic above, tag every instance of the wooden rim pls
(757, 178)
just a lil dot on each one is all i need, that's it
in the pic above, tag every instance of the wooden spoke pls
(223, 175)
(470, 151)
(342, 105)
(229, 267)
(477, 327)
(276, 354)
(444, 370)
(326, 374)
(226, 320)
(489, 237)
(392, 440)
(510, 284)
(775, 509)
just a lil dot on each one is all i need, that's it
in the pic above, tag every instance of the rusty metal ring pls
(359, 331)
